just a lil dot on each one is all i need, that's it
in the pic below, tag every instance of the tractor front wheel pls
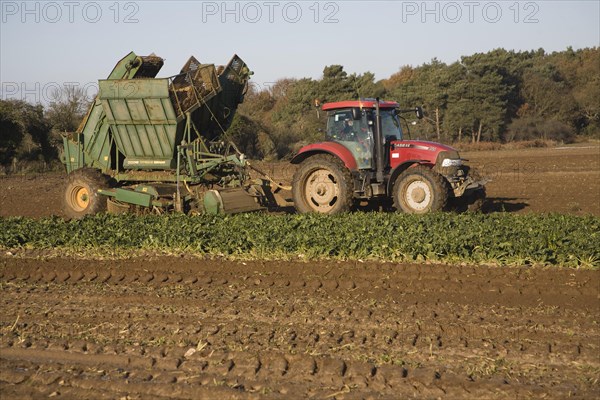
(420, 190)
(322, 184)
(81, 195)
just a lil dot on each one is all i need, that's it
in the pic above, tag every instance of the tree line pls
(31, 134)
(498, 96)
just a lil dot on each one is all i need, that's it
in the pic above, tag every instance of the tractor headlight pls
(448, 162)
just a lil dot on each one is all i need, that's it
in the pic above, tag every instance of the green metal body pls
(146, 129)
(143, 122)
(133, 197)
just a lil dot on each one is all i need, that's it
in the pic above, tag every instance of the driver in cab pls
(348, 132)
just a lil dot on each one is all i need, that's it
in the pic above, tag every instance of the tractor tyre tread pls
(336, 166)
(439, 186)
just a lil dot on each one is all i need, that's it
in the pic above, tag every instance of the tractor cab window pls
(390, 125)
(342, 127)
(355, 134)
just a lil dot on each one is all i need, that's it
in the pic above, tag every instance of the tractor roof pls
(364, 103)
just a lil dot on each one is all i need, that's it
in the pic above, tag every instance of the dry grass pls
(486, 146)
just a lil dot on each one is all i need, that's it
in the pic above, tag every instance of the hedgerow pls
(503, 239)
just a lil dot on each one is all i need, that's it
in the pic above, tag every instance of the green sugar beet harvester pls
(159, 144)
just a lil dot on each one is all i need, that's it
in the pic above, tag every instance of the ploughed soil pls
(562, 179)
(187, 328)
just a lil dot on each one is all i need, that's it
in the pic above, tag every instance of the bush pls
(530, 129)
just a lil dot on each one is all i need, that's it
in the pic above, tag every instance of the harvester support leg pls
(178, 203)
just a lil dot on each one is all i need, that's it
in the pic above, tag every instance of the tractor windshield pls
(390, 125)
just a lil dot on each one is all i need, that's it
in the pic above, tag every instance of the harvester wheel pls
(81, 195)
(323, 185)
(420, 190)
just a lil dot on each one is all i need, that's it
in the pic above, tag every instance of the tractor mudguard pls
(332, 148)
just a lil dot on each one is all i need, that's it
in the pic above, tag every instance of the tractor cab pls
(352, 124)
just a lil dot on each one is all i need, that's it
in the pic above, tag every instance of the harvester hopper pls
(158, 144)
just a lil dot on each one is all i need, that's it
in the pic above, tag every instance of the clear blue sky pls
(47, 43)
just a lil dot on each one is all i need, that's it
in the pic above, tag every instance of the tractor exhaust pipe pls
(378, 144)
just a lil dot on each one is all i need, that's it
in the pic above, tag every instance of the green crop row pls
(503, 239)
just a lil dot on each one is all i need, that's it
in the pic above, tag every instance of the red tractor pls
(364, 157)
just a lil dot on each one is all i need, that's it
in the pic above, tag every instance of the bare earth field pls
(564, 180)
(174, 328)
(185, 328)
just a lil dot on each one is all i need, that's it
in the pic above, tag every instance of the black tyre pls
(81, 195)
(322, 184)
(420, 190)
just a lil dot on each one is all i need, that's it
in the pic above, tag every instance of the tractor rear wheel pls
(81, 195)
(420, 190)
(322, 184)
